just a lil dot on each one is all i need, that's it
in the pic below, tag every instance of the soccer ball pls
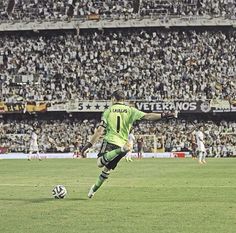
(59, 192)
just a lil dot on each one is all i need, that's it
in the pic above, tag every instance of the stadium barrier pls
(94, 155)
(184, 106)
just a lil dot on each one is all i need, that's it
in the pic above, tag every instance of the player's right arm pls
(97, 134)
(95, 137)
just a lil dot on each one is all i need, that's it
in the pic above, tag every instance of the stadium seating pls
(58, 9)
(63, 133)
(147, 63)
(150, 64)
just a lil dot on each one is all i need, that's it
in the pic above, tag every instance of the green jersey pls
(118, 120)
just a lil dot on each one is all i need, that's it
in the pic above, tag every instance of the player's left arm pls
(139, 115)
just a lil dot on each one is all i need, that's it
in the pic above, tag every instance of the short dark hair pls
(118, 95)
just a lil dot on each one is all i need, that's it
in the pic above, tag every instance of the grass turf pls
(149, 195)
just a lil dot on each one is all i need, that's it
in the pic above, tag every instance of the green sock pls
(98, 184)
(100, 180)
(112, 154)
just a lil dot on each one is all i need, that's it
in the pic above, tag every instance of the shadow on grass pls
(41, 200)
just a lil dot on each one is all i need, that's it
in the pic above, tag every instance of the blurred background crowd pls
(196, 63)
(150, 64)
(68, 134)
(115, 9)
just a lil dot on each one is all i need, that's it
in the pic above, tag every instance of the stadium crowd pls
(150, 64)
(220, 137)
(58, 9)
(63, 135)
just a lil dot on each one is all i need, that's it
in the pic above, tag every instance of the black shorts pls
(106, 147)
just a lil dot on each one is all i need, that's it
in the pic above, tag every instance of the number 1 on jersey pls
(118, 124)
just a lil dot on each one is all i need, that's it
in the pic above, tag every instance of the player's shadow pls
(42, 200)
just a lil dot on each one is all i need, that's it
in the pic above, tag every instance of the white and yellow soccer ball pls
(59, 191)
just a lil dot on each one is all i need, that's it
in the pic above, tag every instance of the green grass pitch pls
(148, 195)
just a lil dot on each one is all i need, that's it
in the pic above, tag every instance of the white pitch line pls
(33, 185)
(132, 186)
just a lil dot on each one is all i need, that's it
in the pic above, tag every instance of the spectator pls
(58, 9)
(63, 133)
(150, 64)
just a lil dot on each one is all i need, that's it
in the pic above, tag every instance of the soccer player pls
(131, 140)
(77, 145)
(194, 144)
(201, 146)
(115, 125)
(34, 145)
(140, 143)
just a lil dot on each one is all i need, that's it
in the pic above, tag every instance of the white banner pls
(79, 106)
(220, 105)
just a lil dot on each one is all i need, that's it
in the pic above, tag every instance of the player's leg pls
(105, 173)
(79, 155)
(31, 151)
(105, 148)
(30, 155)
(38, 155)
(200, 154)
(139, 153)
(107, 157)
(204, 157)
(128, 157)
(36, 149)
(215, 151)
(194, 156)
(75, 154)
(102, 177)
